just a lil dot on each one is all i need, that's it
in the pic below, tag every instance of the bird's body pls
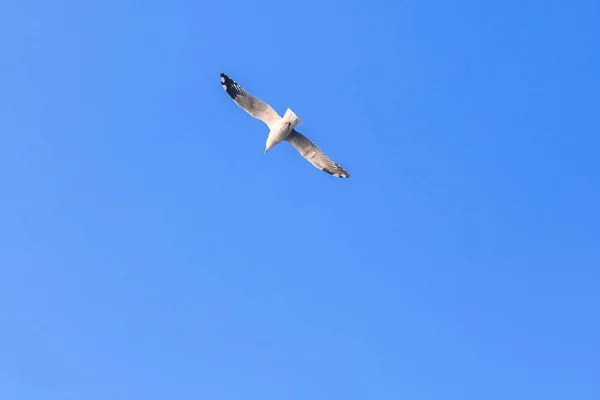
(281, 128)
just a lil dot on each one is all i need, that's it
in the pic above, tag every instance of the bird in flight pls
(281, 128)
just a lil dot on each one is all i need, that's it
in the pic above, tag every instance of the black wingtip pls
(339, 173)
(230, 86)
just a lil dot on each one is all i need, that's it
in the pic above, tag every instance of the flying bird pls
(281, 129)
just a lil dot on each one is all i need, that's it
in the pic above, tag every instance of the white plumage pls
(281, 129)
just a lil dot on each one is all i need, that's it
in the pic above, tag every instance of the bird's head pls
(268, 145)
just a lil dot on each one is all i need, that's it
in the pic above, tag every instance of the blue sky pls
(149, 249)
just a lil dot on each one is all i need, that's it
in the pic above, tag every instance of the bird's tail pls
(289, 116)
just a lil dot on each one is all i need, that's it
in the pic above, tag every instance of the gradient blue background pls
(148, 248)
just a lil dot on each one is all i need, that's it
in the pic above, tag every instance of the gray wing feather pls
(253, 106)
(312, 153)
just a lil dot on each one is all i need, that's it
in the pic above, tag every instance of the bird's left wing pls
(253, 106)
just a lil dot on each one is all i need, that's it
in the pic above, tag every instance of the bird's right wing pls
(312, 153)
(253, 106)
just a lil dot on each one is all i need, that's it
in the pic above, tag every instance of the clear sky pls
(150, 250)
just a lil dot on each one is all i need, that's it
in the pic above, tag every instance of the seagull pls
(281, 129)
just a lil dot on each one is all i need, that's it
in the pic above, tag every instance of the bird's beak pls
(266, 151)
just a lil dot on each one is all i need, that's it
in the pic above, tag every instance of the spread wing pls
(312, 153)
(253, 106)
